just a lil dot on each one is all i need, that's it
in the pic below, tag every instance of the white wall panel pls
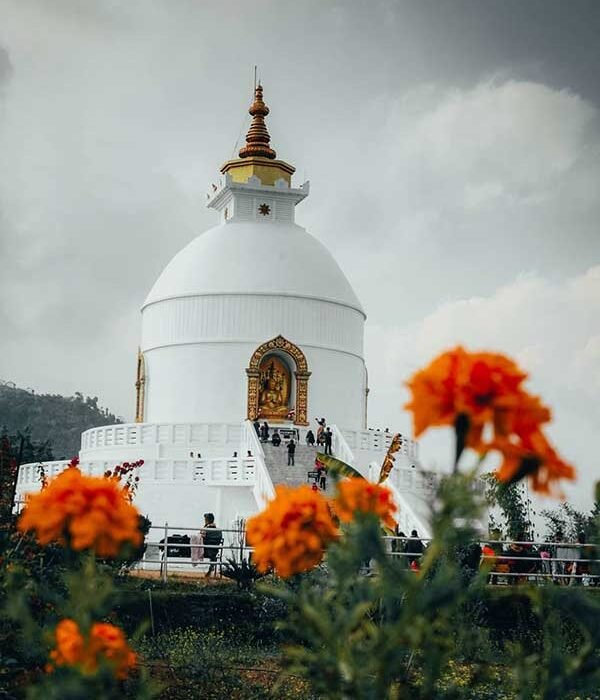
(252, 318)
(207, 382)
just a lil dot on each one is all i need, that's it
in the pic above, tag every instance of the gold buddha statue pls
(274, 389)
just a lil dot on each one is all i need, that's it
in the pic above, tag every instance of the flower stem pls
(461, 428)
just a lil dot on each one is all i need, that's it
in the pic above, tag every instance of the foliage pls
(565, 523)
(514, 505)
(243, 572)
(400, 633)
(56, 595)
(360, 624)
(211, 664)
(26, 450)
(83, 592)
(51, 418)
(364, 636)
(14, 451)
(251, 615)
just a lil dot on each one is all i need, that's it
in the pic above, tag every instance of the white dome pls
(255, 258)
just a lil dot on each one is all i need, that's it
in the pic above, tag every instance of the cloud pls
(504, 136)
(5, 67)
(443, 189)
(463, 188)
(551, 328)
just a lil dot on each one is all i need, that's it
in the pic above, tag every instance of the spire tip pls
(258, 138)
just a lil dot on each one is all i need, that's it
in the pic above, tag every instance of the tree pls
(513, 502)
(566, 522)
(51, 418)
(15, 450)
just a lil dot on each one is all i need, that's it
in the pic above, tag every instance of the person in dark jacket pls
(414, 548)
(310, 438)
(291, 449)
(212, 539)
(264, 432)
(328, 440)
(276, 439)
(399, 547)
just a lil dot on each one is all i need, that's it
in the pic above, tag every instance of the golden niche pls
(274, 394)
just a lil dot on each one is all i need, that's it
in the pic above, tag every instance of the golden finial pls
(257, 138)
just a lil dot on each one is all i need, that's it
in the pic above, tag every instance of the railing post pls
(151, 611)
(243, 541)
(166, 559)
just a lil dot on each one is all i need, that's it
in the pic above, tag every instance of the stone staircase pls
(276, 461)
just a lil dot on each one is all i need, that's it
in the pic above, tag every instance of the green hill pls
(57, 419)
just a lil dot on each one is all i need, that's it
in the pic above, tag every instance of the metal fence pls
(156, 553)
(537, 562)
(534, 561)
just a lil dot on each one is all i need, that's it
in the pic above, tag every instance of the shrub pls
(244, 573)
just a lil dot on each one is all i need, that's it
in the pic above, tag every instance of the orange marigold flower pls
(455, 382)
(486, 389)
(361, 496)
(291, 534)
(84, 512)
(105, 643)
(522, 419)
(533, 456)
(69, 644)
(108, 641)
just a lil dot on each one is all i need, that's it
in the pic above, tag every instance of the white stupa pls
(255, 287)
(252, 321)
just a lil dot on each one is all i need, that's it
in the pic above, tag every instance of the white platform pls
(176, 488)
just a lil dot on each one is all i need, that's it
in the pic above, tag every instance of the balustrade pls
(184, 434)
(217, 471)
(263, 485)
(378, 440)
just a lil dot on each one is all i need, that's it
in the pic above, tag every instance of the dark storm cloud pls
(551, 41)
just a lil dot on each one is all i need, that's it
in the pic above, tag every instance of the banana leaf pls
(336, 466)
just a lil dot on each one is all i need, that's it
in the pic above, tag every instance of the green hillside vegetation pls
(51, 419)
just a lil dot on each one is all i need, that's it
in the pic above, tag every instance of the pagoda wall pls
(197, 349)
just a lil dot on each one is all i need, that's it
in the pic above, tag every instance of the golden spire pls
(257, 158)
(257, 138)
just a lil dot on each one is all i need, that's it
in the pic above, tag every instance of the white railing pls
(406, 513)
(29, 474)
(405, 516)
(188, 434)
(264, 490)
(215, 471)
(413, 480)
(379, 440)
(202, 434)
(340, 447)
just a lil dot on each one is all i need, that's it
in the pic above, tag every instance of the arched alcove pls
(267, 382)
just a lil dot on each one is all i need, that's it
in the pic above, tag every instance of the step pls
(293, 475)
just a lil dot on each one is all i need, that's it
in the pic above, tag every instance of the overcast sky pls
(453, 149)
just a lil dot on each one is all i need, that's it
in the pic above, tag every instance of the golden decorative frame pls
(140, 386)
(302, 375)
